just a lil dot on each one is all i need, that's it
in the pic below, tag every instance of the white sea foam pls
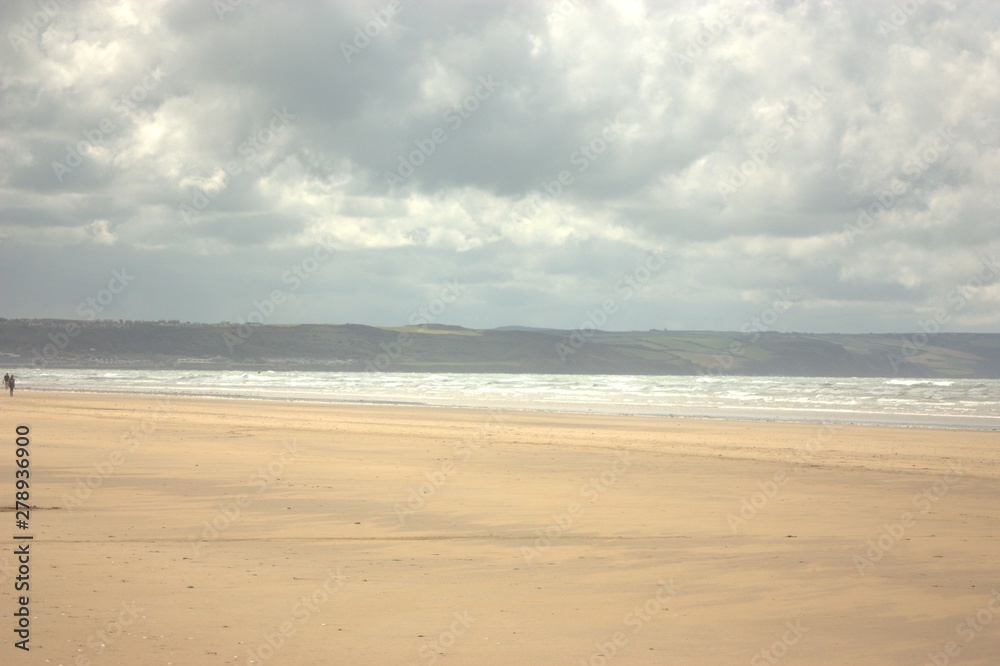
(959, 402)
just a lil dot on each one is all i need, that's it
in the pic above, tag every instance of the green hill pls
(440, 348)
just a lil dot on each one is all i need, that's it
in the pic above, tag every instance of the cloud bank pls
(538, 153)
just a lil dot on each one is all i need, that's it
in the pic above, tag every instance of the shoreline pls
(802, 441)
(930, 421)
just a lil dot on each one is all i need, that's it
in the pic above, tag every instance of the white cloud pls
(699, 90)
(99, 232)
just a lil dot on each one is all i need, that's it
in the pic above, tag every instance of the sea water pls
(969, 403)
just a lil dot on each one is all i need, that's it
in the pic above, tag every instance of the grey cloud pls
(723, 155)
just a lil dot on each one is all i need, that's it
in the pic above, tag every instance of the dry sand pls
(199, 531)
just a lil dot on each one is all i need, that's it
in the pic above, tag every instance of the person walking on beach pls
(6, 380)
(10, 383)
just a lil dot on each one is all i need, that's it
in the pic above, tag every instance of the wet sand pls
(210, 531)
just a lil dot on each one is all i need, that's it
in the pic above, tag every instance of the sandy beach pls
(211, 531)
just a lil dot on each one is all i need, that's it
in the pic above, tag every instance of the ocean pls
(959, 403)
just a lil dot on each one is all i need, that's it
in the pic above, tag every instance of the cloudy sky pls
(680, 165)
